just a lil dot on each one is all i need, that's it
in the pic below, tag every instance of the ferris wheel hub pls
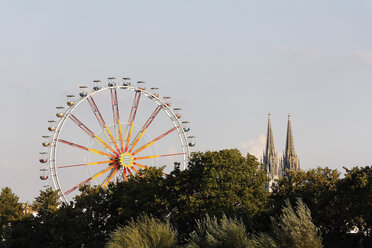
(126, 160)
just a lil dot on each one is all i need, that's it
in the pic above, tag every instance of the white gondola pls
(70, 100)
(177, 111)
(191, 141)
(43, 157)
(52, 125)
(83, 91)
(97, 85)
(46, 142)
(60, 114)
(141, 85)
(126, 82)
(43, 175)
(186, 126)
(167, 100)
(111, 82)
(155, 91)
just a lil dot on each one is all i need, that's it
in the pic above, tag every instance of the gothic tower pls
(270, 157)
(290, 160)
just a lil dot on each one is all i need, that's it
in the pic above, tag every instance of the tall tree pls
(316, 187)
(215, 183)
(10, 208)
(10, 211)
(354, 202)
(295, 229)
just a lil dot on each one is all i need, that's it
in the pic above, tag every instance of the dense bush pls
(213, 233)
(145, 232)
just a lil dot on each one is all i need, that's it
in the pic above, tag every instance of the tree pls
(10, 211)
(46, 203)
(215, 183)
(353, 205)
(295, 228)
(214, 233)
(10, 208)
(35, 231)
(145, 232)
(317, 188)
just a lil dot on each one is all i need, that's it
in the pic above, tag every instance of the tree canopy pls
(224, 185)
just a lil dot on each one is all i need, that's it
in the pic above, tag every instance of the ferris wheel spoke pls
(92, 163)
(125, 174)
(116, 117)
(145, 127)
(101, 122)
(90, 179)
(112, 174)
(157, 156)
(132, 117)
(140, 165)
(134, 169)
(91, 134)
(154, 140)
(130, 172)
(85, 148)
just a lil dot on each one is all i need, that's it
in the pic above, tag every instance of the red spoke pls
(144, 128)
(116, 116)
(101, 122)
(91, 134)
(157, 156)
(90, 179)
(154, 140)
(132, 117)
(85, 148)
(93, 163)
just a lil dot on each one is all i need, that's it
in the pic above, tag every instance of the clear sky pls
(227, 63)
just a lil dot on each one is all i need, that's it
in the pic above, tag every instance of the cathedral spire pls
(289, 146)
(270, 148)
(270, 158)
(290, 160)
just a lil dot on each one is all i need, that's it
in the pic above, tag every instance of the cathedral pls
(276, 167)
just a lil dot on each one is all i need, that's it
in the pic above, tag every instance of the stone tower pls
(270, 157)
(290, 160)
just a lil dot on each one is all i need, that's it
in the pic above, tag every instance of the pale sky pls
(226, 63)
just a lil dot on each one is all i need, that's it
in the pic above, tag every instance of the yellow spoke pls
(111, 176)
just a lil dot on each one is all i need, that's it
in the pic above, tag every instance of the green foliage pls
(211, 233)
(10, 209)
(46, 203)
(145, 232)
(295, 229)
(317, 188)
(354, 200)
(35, 231)
(262, 240)
(215, 183)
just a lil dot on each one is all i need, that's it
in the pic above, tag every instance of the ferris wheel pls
(110, 132)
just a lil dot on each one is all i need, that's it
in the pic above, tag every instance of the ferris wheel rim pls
(61, 122)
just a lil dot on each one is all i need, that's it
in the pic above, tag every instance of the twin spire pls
(274, 167)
